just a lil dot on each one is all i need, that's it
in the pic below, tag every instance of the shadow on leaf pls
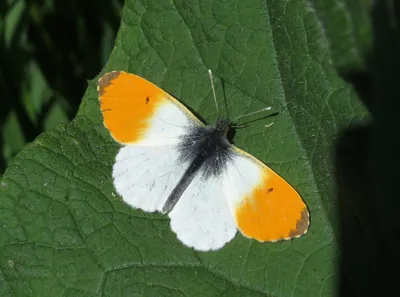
(368, 169)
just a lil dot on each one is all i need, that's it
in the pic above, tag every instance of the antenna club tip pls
(268, 108)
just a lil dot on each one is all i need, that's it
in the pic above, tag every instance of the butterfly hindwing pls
(201, 218)
(144, 176)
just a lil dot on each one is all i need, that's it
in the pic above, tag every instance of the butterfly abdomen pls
(206, 149)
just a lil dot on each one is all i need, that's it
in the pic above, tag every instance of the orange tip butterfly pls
(173, 163)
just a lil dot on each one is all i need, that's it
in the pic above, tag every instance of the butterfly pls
(171, 162)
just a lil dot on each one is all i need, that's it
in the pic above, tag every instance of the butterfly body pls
(170, 162)
(207, 149)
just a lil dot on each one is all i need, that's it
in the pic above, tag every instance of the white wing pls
(169, 124)
(145, 176)
(201, 218)
(145, 173)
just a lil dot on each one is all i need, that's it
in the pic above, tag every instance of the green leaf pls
(66, 233)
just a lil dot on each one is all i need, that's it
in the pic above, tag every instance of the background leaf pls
(65, 232)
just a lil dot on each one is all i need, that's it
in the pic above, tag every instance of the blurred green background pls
(48, 51)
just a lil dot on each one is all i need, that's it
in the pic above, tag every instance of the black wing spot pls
(147, 100)
(270, 190)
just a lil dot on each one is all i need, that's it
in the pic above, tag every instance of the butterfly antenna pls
(213, 89)
(254, 112)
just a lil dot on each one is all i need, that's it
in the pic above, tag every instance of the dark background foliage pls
(48, 51)
(367, 167)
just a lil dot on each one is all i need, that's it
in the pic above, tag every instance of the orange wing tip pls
(273, 211)
(127, 103)
(301, 226)
(106, 80)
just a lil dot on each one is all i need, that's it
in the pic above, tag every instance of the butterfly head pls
(222, 126)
